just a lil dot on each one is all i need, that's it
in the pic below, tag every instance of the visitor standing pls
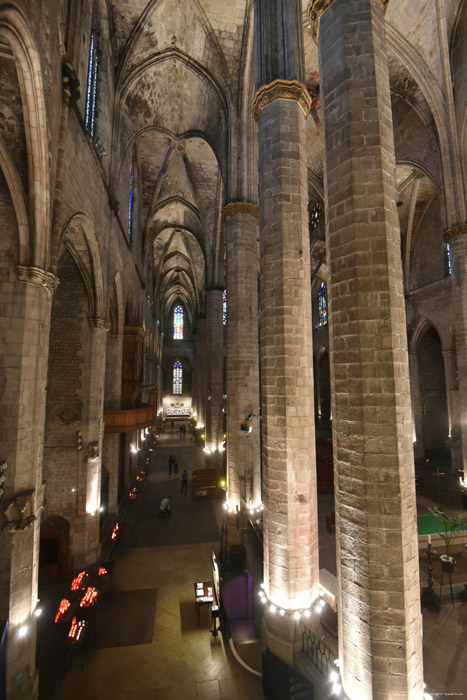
(184, 481)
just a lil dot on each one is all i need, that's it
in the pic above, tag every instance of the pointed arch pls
(17, 197)
(15, 30)
(79, 237)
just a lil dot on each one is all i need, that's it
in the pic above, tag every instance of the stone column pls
(200, 366)
(288, 437)
(215, 373)
(25, 327)
(85, 534)
(112, 401)
(243, 447)
(380, 627)
(457, 239)
(417, 408)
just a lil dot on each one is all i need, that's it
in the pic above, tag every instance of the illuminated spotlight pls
(38, 612)
(225, 505)
(333, 676)
(23, 631)
(336, 689)
(262, 585)
(307, 613)
(101, 509)
(282, 612)
(321, 603)
(427, 696)
(272, 608)
(296, 615)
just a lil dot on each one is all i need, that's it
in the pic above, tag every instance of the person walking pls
(184, 481)
(175, 463)
(170, 464)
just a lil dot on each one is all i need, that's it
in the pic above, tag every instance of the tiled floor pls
(183, 661)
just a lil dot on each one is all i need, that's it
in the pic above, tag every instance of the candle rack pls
(429, 598)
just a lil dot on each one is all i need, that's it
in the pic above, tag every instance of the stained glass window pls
(91, 90)
(322, 305)
(177, 377)
(447, 254)
(224, 308)
(315, 215)
(130, 204)
(178, 323)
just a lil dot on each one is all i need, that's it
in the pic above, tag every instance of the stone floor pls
(169, 655)
(156, 649)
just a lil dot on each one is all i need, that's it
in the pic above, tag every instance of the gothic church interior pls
(250, 215)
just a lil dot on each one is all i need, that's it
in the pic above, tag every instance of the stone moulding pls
(455, 231)
(316, 9)
(17, 514)
(281, 90)
(38, 277)
(240, 208)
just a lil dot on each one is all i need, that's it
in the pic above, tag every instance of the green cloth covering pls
(429, 525)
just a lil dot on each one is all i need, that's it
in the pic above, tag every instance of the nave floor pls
(169, 656)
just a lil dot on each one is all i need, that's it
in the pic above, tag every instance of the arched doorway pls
(434, 419)
(54, 548)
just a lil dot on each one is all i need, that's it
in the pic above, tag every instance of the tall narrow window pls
(178, 323)
(447, 259)
(315, 215)
(177, 377)
(224, 308)
(91, 92)
(322, 305)
(130, 204)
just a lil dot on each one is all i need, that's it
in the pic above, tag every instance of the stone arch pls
(54, 549)
(79, 238)
(17, 197)
(433, 394)
(15, 30)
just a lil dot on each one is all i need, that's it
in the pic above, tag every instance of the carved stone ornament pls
(70, 82)
(281, 90)
(456, 231)
(18, 514)
(3, 468)
(101, 323)
(316, 9)
(240, 208)
(38, 277)
(93, 450)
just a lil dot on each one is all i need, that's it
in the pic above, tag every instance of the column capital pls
(281, 90)
(214, 288)
(240, 208)
(38, 277)
(316, 9)
(451, 233)
(101, 323)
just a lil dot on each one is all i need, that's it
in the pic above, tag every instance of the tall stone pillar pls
(85, 536)
(417, 408)
(380, 628)
(288, 438)
(113, 400)
(457, 239)
(25, 326)
(200, 370)
(215, 373)
(243, 446)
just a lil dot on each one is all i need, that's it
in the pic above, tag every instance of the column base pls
(279, 634)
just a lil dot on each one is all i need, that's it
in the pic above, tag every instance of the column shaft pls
(215, 369)
(288, 444)
(380, 629)
(243, 448)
